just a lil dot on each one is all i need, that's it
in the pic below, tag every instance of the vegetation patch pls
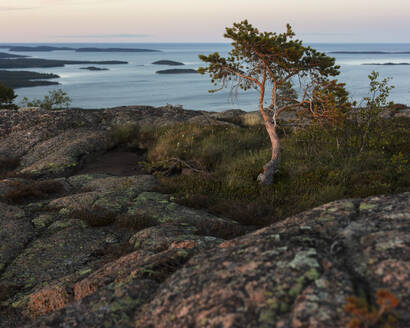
(96, 216)
(23, 191)
(20, 79)
(217, 166)
(7, 165)
(136, 221)
(366, 315)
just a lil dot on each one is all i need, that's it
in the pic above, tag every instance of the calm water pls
(137, 83)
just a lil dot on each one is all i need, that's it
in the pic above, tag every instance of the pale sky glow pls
(201, 21)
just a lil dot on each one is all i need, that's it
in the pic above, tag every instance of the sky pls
(201, 21)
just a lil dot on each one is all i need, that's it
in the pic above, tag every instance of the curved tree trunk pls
(271, 167)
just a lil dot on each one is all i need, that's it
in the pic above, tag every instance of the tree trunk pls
(271, 167)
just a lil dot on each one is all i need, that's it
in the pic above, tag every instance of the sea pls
(137, 83)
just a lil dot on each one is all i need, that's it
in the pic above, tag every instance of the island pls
(370, 52)
(4, 55)
(167, 62)
(177, 71)
(37, 62)
(22, 79)
(93, 68)
(115, 50)
(388, 64)
(51, 48)
(36, 48)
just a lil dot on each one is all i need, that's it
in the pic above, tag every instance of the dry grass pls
(95, 217)
(135, 222)
(27, 190)
(7, 165)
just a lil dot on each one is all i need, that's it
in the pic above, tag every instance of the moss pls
(296, 289)
(305, 258)
(268, 317)
(366, 206)
(42, 221)
(182, 253)
(65, 211)
(312, 274)
(85, 272)
(283, 308)
(36, 206)
(65, 223)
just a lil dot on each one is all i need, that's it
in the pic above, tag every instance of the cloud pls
(105, 36)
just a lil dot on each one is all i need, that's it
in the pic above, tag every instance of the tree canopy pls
(7, 96)
(278, 62)
(274, 64)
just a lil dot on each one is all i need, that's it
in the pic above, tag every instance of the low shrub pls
(55, 100)
(23, 191)
(365, 315)
(125, 134)
(7, 165)
(95, 217)
(215, 167)
(135, 222)
(318, 165)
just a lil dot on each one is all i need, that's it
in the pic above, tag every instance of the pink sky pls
(200, 21)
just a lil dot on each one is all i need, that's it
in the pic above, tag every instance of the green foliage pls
(125, 134)
(219, 165)
(6, 97)
(374, 104)
(378, 93)
(56, 99)
(270, 62)
(264, 60)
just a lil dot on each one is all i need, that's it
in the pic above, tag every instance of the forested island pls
(21, 79)
(167, 62)
(37, 62)
(93, 68)
(4, 55)
(388, 64)
(50, 48)
(177, 71)
(114, 50)
(370, 52)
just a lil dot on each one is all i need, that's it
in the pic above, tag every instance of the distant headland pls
(177, 71)
(93, 68)
(50, 48)
(387, 64)
(167, 62)
(37, 62)
(4, 55)
(23, 79)
(370, 52)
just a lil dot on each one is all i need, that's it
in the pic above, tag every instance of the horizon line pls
(183, 42)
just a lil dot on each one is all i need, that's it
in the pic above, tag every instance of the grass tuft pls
(95, 217)
(23, 191)
(7, 165)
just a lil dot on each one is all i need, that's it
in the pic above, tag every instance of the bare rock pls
(296, 273)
